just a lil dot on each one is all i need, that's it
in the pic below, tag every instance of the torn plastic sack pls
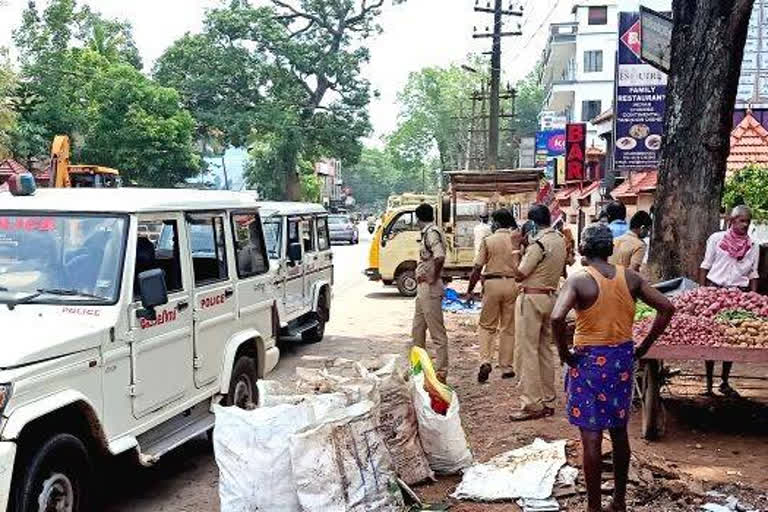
(318, 381)
(343, 465)
(527, 472)
(399, 425)
(273, 393)
(251, 449)
(442, 436)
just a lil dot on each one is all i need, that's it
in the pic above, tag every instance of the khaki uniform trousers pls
(498, 318)
(534, 352)
(428, 315)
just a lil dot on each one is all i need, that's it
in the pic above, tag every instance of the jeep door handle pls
(181, 306)
(229, 292)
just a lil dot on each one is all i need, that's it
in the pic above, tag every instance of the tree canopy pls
(285, 77)
(7, 113)
(80, 76)
(749, 186)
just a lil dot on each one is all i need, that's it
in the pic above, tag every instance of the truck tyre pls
(406, 283)
(243, 392)
(57, 476)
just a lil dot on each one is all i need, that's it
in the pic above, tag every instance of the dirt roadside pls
(709, 445)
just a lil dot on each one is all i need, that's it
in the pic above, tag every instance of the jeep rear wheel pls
(243, 392)
(56, 478)
(406, 283)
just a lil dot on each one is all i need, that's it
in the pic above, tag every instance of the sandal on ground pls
(483, 373)
(728, 391)
(708, 393)
(522, 415)
(613, 508)
(508, 375)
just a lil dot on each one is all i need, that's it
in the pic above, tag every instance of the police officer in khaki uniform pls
(494, 266)
(539, 274)
(428, 313)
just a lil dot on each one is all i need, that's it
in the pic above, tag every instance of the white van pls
(299, 249)
(112, 343)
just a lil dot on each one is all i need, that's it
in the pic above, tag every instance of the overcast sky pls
(417, 34)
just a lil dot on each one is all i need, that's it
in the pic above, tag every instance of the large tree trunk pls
(707, 48)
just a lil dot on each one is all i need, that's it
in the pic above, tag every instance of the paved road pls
(367, 320)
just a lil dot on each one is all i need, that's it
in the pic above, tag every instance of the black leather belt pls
(497, 277)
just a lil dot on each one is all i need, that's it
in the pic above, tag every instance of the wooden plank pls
(695, 353)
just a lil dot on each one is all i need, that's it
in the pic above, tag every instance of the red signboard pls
(575, 148)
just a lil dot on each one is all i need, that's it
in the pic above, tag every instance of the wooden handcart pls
(653, 375)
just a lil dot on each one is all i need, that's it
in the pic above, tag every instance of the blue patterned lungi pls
(599, 388)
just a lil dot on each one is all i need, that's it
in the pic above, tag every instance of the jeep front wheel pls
(243, 392)
(57, 477)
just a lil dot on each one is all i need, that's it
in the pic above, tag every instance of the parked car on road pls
(343, 229)
(299, 250)
(113, 344)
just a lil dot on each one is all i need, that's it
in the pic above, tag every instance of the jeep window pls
(293, 232)
(249, 245)
(273, 236)
(323, 241)
(164, 255)
(47, 258)
(308, 235)
(206, 242)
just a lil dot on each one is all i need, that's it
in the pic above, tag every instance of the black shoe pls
(485, 371)
(508, 375)
(728, 391)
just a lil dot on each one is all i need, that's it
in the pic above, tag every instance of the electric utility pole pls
(498, 17)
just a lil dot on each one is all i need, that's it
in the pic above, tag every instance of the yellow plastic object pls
(439, 392)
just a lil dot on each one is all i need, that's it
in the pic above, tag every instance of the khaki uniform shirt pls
(628, 250)
(544, 260)
(432, 247)
(495, 254)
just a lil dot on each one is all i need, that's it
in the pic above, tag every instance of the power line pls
(533, 34)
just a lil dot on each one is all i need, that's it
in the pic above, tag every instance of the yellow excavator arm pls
(64, 175)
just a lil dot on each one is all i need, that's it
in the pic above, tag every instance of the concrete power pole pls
(498, 16)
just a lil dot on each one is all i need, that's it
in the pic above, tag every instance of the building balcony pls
(560, 55)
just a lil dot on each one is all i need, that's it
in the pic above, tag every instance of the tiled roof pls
(582, 192)
(749, 144)
(636, 183)
(602, 117)
(9, 166)
(587, 191)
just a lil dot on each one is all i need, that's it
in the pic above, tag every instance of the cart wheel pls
(653, 409)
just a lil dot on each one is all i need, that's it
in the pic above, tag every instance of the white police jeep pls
(112, 343)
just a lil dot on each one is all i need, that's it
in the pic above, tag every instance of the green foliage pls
(434, 107)
(530, 98)
(749, 186)
(311, 188)
(284, 76)
(7, 114)
(382, 172)
(80, 77)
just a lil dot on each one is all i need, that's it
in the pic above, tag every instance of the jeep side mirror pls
(152, 291)
(294, 252)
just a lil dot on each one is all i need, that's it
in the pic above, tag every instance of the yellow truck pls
(394, 250)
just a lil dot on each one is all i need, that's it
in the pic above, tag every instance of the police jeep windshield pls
(60, 259)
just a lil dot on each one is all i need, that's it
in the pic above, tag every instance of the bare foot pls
(614, 506)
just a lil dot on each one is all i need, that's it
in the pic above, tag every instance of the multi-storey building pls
(580, 62)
